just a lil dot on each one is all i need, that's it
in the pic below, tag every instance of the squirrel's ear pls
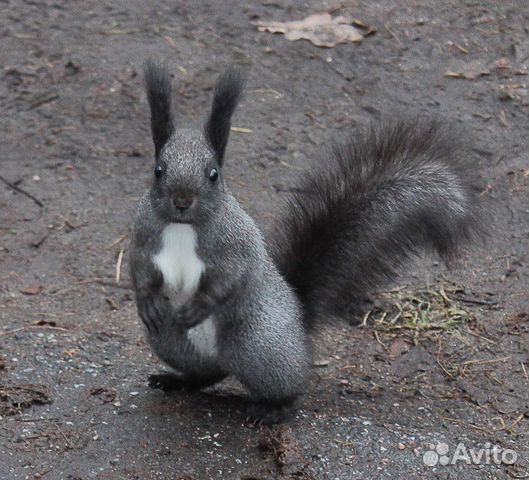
(158, 86)
(228, 91)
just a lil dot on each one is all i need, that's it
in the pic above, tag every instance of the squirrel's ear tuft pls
(158, 86)
(228, 91)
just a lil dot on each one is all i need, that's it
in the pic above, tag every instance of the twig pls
(393, 34)
(117, 241)
(11, 331)
(106, 283)
(22, 191)
(474, 301)
(35, 420)
(241, 130)
(276, 94)
(364, 320)
(43, 101)
(483, 362)
(481, 337)
(117, 31)
(493, 378)
(66, 438)
(118, 265)
(345, 76)
(30, 327)
(524, 371)
(466, 424)
(384, 346)
(510, 428)
(438, 358)
(380, 341)
(459, 47)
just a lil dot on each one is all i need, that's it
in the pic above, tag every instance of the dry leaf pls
(469, 70)
(106, 394)
(324, 362)
(473, 70)
(321, 29)
(398, 347)
(503, 119)
(170, 41)
(502, 64)
(42, 323)
(113, 305)
(468, 74)
(32, 290)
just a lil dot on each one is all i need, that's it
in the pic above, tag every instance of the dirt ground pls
(442, 359)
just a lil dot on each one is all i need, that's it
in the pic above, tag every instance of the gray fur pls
(353, 221)
(259, 327)
(349, 229)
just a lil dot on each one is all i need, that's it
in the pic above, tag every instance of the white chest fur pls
(181, 268)
(204, 338)
(178, 260)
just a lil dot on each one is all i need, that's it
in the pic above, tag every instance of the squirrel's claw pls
(269, 413)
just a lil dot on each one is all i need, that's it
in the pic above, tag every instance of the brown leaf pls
(106, 394)
(32, 290)
(321, 29)
(476, 69)
(113, 305)
(398, 347)
(41, 323)
(2, 363)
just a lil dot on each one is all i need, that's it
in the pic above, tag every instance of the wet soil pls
(76, 155)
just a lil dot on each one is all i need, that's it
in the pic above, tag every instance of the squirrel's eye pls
(214, 175)
(158, 170)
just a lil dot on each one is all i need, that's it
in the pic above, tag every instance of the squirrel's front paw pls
(152, 313)
(192, 313)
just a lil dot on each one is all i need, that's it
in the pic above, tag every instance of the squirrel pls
(217, 299)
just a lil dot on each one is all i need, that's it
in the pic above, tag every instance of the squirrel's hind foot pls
(270, 413)
(170, 382)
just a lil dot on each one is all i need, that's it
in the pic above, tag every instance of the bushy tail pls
(353, 222)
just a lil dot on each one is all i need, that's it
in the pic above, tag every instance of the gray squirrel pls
(217, 299)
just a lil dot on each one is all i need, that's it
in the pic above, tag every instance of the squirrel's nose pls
(183, 201)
